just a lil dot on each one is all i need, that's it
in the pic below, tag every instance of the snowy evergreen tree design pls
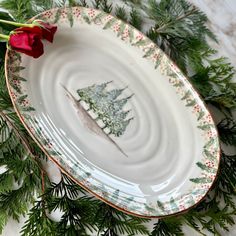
(107, 106)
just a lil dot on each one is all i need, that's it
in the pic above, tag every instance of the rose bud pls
(27, 42)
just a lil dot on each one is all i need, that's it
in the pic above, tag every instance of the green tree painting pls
(108, 108)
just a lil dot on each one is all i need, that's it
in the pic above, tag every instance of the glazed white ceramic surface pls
(155, 140)
(160, 146)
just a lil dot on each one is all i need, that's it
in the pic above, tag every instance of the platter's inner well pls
(153, 150)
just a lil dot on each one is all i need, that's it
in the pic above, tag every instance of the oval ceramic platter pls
(110, 108)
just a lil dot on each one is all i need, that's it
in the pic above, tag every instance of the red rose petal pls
(35, 29)
(48, 31)
(27, 43)
(28, 39)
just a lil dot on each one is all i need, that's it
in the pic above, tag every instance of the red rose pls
(48, 30)
(35, 29)
(27, 40)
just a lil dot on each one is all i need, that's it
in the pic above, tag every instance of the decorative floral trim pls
(211, 151)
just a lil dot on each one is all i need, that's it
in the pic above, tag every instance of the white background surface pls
(222, 16)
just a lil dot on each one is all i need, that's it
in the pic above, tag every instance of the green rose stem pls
(3, 36)
(16, 23)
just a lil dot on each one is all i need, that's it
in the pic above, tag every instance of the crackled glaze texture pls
(165, 156)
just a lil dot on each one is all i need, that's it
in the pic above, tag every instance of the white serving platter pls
(116, 114)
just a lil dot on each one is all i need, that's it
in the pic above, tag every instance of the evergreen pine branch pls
(3, 221)
(104, 5)
(75, 220)
(208, 219)
(222, 218)
(208, 215)
(215, 83)
(65, 187)
(6, 181)
(5, 100)
(77, 209)
(16, 202)
(121, 13)
(174, 32)
(75, 215)
(5, 28)
(72, 3)
(168, 227)
(133, 2)
(110, 220)
(225, 186)
(179, 29)
(133, 17)
(96, 4)
(22, 176)
(38, 224)
(43, 5)
(227, 131)
(83, 3)
(66, 196)
(136, 19)
(21, 9)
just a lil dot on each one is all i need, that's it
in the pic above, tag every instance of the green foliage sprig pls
(81, 214)
(179, 29)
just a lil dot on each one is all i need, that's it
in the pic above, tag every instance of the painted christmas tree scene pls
(108, 108)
